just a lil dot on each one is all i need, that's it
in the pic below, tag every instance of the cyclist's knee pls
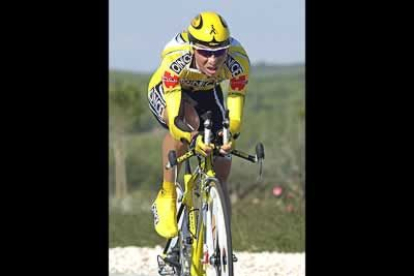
(223, 161)
(170, 142)
(222, 166)
(191, 116)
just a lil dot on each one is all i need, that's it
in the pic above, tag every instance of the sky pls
(271, 31)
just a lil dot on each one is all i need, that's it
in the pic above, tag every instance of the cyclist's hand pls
(227, 148)
(199, 146)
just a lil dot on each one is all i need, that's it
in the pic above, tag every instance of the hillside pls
(274, 115)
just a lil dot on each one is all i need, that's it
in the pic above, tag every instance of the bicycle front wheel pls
(218, 257)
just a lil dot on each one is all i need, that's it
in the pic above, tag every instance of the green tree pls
(124, 115)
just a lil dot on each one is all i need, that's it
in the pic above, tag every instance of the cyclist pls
(195, 65)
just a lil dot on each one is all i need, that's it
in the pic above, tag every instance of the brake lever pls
(259, 178)
(260, 155)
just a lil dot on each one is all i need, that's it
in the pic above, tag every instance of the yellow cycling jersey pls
(175, 73)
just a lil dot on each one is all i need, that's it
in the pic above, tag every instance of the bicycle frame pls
(205, 174)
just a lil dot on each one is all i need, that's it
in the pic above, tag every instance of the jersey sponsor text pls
(234, 66)
(170, 81)
(238, 83)
(179, 64)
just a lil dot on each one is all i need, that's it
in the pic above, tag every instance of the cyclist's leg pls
(164, 207)
(222, 167)
(169, 143)
(158, 107)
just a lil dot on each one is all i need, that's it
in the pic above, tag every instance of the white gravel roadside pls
(134, 261)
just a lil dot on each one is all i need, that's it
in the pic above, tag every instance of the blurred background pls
(267, 215)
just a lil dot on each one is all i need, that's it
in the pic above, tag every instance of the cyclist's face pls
(210, 62)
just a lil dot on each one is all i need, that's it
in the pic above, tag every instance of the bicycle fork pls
(194, 225)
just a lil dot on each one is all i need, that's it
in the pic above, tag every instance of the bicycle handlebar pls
(208, 124)
(173, 160)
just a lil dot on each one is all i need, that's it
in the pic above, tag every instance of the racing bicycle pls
(203, 246)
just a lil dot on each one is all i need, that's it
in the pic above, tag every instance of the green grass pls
(130, 221)
(274, 114)
(258, 224)
(266, 225)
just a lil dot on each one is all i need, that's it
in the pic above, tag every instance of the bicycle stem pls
(208, 128)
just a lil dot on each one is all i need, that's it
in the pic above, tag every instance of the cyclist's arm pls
(172, 95)
(235, 104)
(173, 101)
(237, 91)
(175, 50)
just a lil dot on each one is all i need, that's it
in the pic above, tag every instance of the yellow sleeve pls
(175, 56)
(237, 90)
(235, 104)
(172, 95)
(173, 101)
